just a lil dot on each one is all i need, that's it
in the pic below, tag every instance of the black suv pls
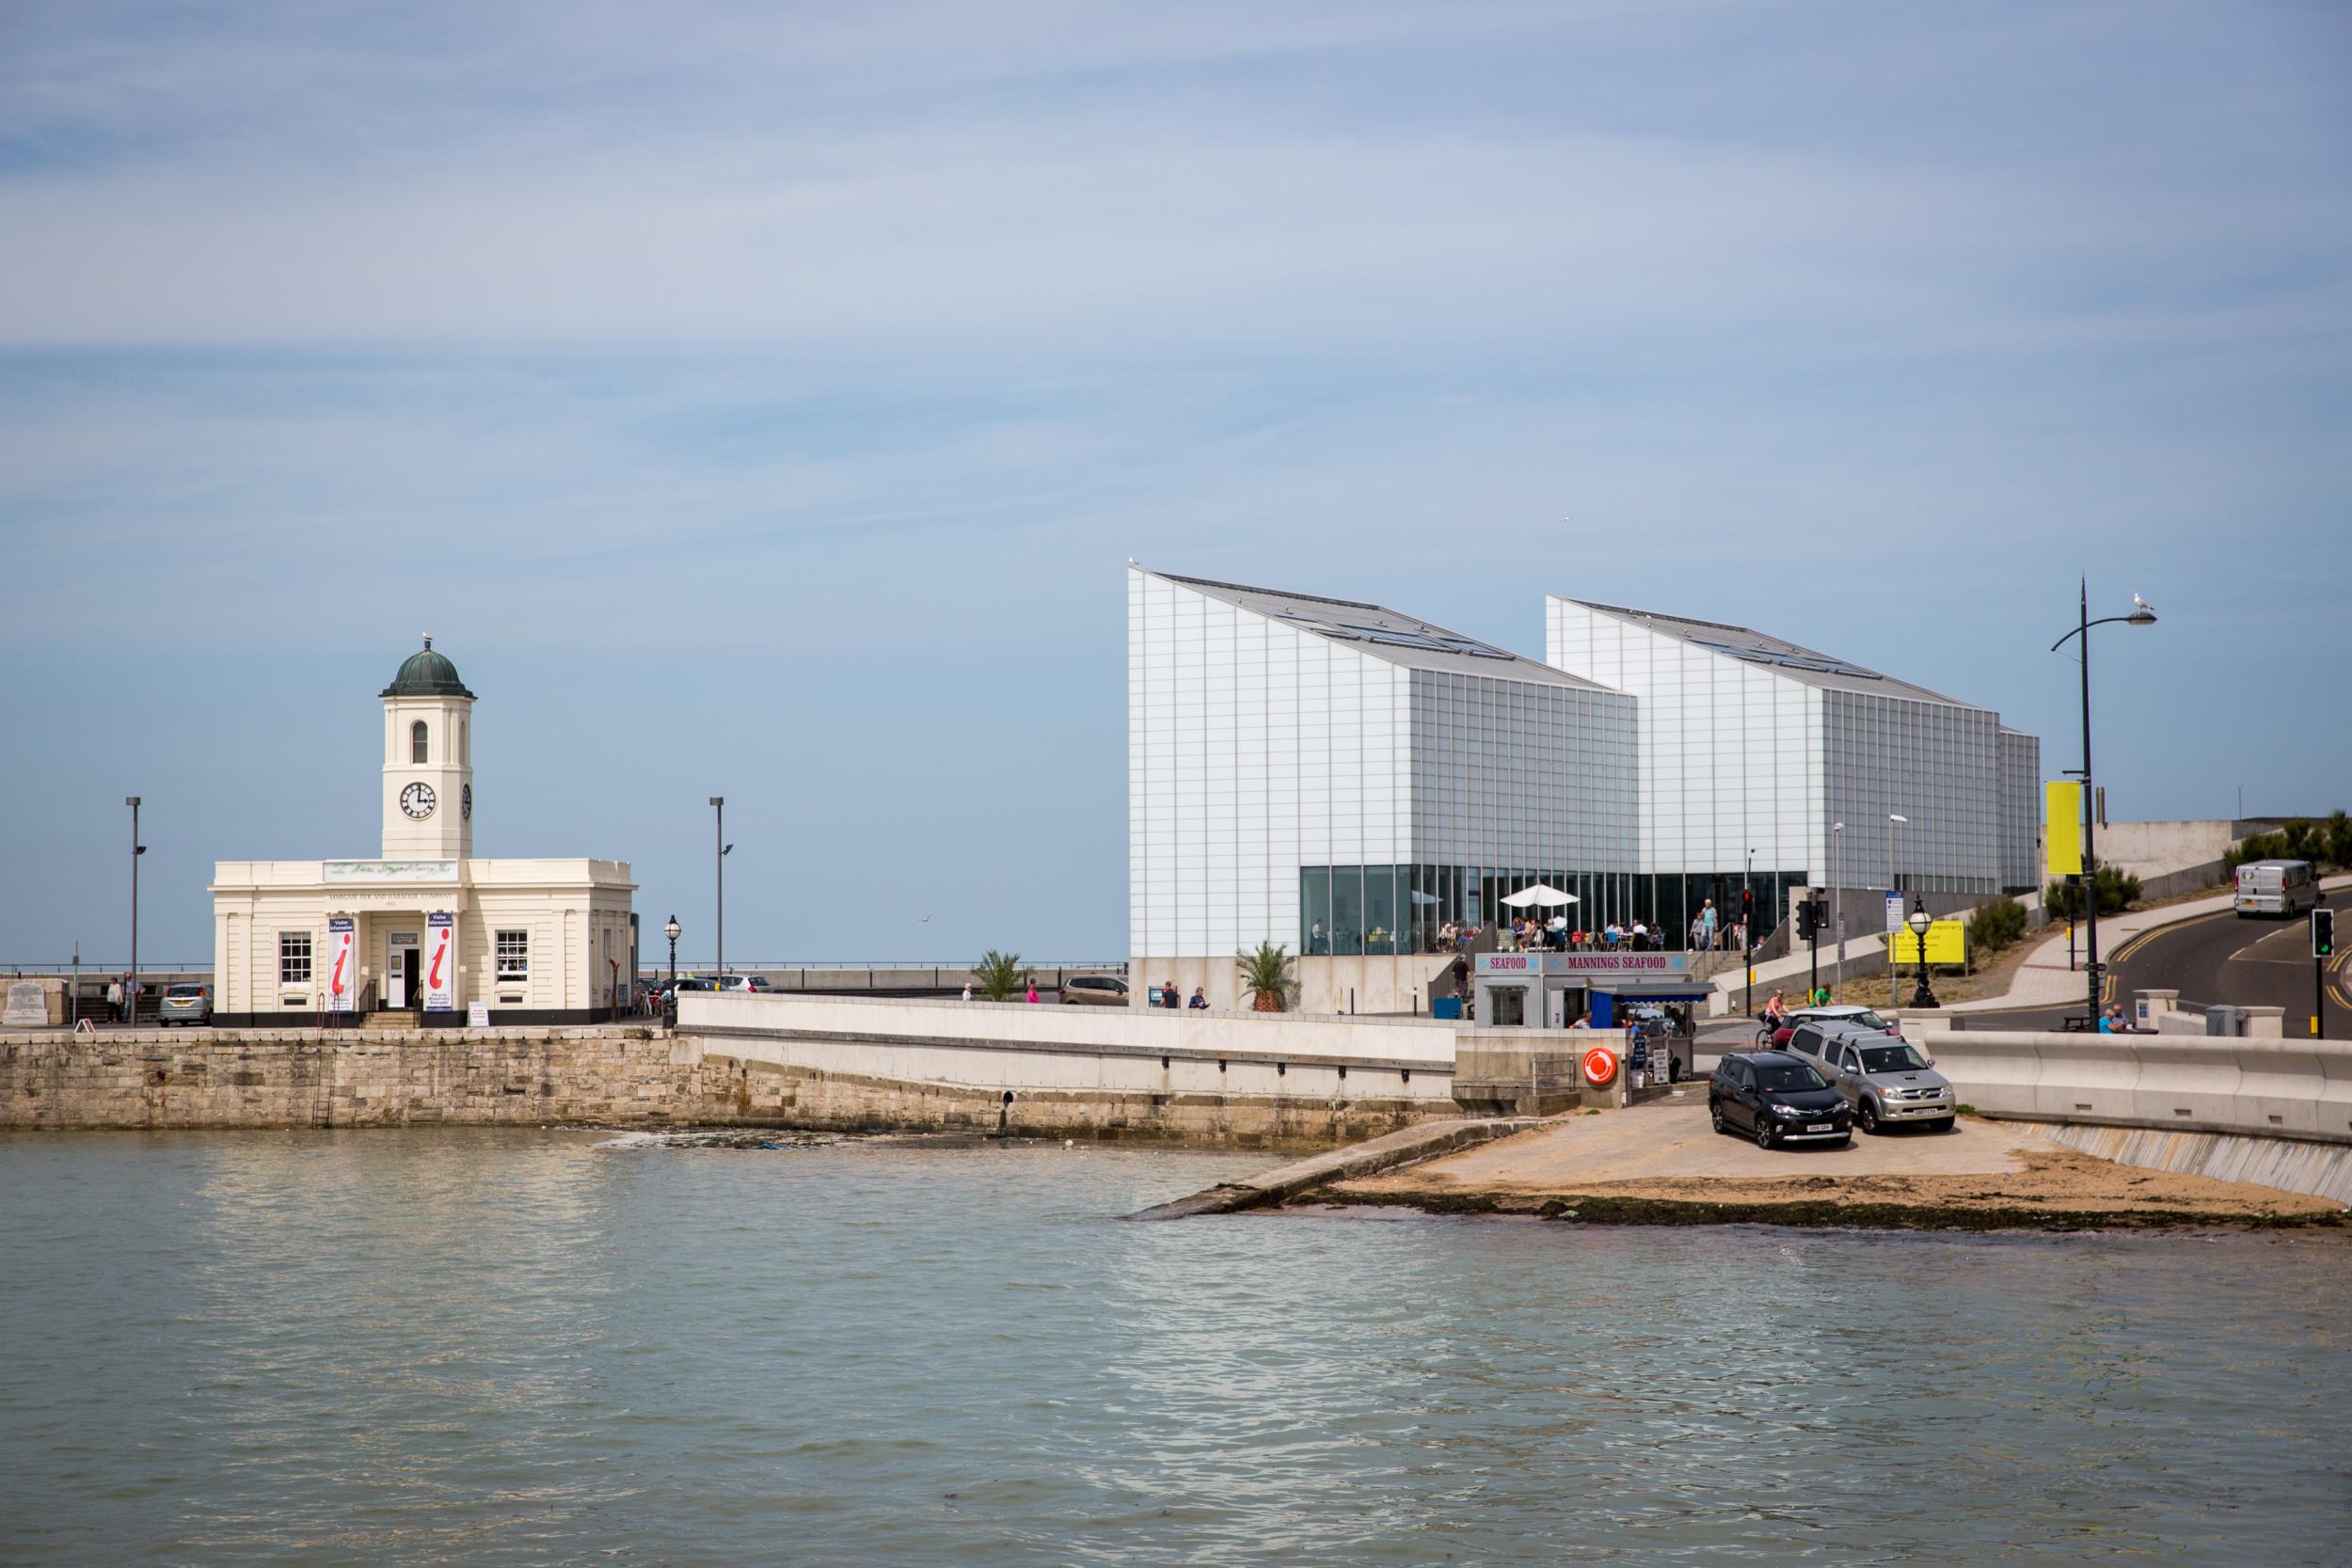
(1776, 1098)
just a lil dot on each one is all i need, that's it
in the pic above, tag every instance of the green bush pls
(2324, 844)
(2117, 892)
(1995, 925)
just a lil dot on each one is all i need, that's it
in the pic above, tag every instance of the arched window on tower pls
(416, 741)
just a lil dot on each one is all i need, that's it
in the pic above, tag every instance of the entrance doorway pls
(403, 974)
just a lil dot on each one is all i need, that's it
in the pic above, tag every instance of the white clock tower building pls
(428, 761)
(425, 936)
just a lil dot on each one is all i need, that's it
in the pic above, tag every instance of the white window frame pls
(511, 952)
(288, 958)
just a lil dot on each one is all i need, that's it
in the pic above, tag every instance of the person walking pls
(114, 1000)
(1032, 996)
(967, 990)
(1706, 926)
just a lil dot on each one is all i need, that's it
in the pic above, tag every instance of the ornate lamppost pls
(1919, 920)
(669, 998)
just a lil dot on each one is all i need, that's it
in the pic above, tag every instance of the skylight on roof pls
(1426, 639)
(1789, 659)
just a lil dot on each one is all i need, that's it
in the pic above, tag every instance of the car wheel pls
(1715, 1115)
(1866, 1116)
(1763, 1132)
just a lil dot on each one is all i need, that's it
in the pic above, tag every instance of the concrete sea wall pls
(2273, 1088)
(2290, 1165)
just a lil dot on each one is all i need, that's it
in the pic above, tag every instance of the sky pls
(764, 401)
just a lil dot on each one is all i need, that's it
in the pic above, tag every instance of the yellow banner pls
(2062, 828)
(1948, 943)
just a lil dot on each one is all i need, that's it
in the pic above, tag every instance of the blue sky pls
(764, 402)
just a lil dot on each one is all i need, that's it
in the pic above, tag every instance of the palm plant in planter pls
(1266, 978)
(999, 975)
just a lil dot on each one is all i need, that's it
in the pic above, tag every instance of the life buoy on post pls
(1600, 1067)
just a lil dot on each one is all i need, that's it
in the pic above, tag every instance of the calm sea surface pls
(521, 1347)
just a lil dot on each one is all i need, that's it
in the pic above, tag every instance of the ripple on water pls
(528, 1347)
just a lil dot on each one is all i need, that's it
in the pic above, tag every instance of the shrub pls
(1995, 925)
(2117, 892)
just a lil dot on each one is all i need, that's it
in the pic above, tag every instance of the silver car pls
(1884, 1077)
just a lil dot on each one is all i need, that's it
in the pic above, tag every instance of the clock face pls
(465, 802)
(417, 800)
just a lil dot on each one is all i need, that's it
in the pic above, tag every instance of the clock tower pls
(428, 761)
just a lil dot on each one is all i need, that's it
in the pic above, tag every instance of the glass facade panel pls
(1314, 908)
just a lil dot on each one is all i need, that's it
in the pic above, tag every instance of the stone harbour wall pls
(617, 1075)
(168, 1078)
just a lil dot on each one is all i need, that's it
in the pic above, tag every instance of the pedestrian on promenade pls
(1032, 991)
(1199, 999)
(1706, 926)
(967, 990)
(114, 1000)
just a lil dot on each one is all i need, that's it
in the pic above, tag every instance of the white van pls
(2281, 888)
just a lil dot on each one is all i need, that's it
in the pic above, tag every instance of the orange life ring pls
(1600, 1065)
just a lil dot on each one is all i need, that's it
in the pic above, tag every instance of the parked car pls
(744, 983)
(1777, 1098)
(1863, 1016)
(186, 1002)
(1885, 1078)
(693, 982)
(1100, 991)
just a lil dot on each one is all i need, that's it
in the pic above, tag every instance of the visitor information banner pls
(341, 983)
(440, 962)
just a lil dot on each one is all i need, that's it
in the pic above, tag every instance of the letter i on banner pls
(440, 962)
(341, 984)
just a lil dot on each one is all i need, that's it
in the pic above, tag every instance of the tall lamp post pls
(717, 840)
(669, 997)
(2144, 614)
(131, 991)
(1919, 920)
(1837, 904)
(1893, 981)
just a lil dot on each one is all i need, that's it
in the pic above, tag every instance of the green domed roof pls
(426, 675)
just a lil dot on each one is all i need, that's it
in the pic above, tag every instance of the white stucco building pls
(423, 927)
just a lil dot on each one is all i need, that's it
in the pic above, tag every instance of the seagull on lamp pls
(2143, 603)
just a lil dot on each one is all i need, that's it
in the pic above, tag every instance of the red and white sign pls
(440, 962)
(1582, 963)
(342, 978)
(1600, 1066)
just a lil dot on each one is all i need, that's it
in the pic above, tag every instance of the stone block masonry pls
(168, 1079)
(614, 1075)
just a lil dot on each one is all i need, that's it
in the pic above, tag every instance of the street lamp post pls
(669, 998)
(1837, 905)
(717, 840)
(131, 991)
(1893, 981)
(1747, 927)
(1919, 921)
(2144, 614)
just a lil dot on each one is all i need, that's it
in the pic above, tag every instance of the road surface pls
(2214, 958)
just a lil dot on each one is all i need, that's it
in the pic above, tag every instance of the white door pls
(1556, 1007)
(400, 966)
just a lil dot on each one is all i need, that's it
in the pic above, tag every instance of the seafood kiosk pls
(1551, 990)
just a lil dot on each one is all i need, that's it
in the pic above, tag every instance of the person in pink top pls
(1032, 991)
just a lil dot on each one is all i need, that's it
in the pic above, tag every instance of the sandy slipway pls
(1663, 1164)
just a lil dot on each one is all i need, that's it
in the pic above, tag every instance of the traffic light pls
(2323, 933)
(1808, 920)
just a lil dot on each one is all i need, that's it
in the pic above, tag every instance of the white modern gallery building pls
(424, 928)
(1348, 780)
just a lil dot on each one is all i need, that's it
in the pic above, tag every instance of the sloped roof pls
(1781, 657)
(1386, 634)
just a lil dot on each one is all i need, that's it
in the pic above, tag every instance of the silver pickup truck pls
(1885, 1078)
